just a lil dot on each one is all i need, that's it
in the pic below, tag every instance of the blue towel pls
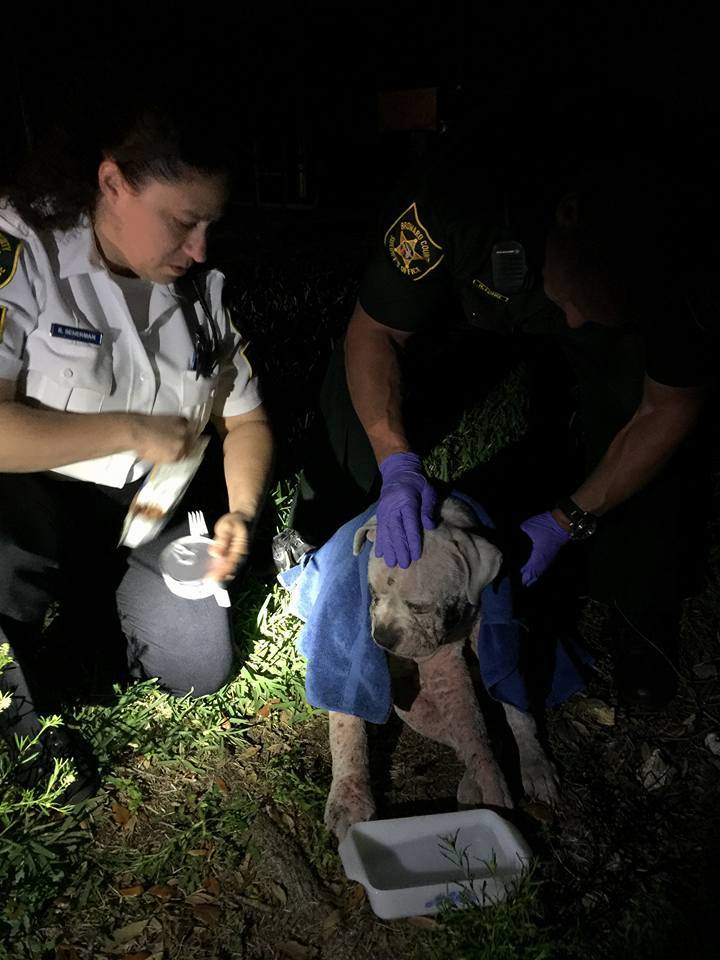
(348, 672)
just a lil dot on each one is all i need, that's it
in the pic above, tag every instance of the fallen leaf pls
(212, 886)
(655, 772)
(425, 923)
(133, 891)
(264, 711)
(278, 892)
(356, 896)
(200, 897)
(201, 852)
(129, 932)
(120, 814)
(226, 724)
(250, 752)
(712, 742)
(295, 950)
(599, 711)
(207, 913)
(162, 891)
(221, 785)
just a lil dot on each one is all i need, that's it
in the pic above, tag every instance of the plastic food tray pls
(409, 866)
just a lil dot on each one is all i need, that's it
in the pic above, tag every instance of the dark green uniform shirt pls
(436, 242)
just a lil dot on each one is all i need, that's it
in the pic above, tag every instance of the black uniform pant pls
(584, 385)
(58, 542)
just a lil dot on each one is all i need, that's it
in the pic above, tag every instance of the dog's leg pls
(447, 710)
(539, 777)
(350, 799)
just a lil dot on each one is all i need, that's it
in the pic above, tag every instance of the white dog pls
(426, 614)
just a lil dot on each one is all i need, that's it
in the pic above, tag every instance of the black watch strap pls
(582, 523)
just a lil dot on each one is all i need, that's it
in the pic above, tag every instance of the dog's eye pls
(420, 607)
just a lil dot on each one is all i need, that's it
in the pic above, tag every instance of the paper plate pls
(153, 504)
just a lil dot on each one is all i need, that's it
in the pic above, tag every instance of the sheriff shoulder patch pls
(411, 248)
(10, 248)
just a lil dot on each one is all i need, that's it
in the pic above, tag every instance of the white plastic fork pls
(198, 528)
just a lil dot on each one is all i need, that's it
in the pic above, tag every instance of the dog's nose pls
(385, 636)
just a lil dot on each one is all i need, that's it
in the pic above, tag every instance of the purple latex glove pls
(406, 498)
(547, 538)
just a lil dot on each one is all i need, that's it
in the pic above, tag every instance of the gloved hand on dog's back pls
(547, 537)
(407, 499)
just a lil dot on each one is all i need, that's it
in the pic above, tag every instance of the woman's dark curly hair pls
(151, 132)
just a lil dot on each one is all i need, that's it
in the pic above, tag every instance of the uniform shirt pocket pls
(67, 375)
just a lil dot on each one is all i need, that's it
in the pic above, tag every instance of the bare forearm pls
(248, 458)
(636, 455)
(375, 382)
(35, 439)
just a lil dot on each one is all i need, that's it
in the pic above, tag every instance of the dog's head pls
(435, 600)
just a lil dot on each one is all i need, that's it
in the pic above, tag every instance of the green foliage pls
(485, 429)
(480, 926)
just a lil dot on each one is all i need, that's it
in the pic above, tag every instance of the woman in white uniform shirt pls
(111, 360)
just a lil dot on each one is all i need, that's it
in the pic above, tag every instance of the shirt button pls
(67, 372)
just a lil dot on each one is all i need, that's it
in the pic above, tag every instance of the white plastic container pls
(410, 865)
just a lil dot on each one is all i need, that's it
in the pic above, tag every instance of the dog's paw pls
(484, 783)
(350, 801)
(540, 779)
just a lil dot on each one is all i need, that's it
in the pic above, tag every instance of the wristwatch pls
(582, 523)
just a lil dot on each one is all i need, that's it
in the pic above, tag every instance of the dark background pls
(305, 86)
(330, 105)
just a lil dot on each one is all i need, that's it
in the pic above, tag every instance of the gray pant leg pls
(186, 644)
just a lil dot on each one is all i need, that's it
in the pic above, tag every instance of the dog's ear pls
(481, 560)
(366, 531)
(457, 513)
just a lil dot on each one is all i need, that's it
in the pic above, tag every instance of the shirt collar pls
(77, 253)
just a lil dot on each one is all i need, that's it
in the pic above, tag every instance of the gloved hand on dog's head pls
(407, 499)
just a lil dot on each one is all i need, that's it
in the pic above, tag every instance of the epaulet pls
(10, 249)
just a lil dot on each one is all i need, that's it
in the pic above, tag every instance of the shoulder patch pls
(411, 248)
(10, 248)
